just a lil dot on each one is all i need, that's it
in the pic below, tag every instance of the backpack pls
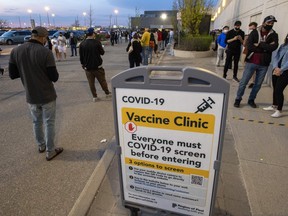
(151, 44)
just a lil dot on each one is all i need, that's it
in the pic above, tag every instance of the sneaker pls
(252, 103)
(109, 95)
(237, 103)
(236, 79)
(42, 149)
(270, 108)
(251, 85)
(277, 114)
(95, 99)
(53, 154)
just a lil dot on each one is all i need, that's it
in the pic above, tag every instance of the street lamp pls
(116, 13)
(53, 15)
(47, 9)
(163, 16)
(30, 12)
(84, 14)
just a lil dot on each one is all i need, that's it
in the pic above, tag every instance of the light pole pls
(53, 15)
(30, 12)
(47, 9)
(84, 14)
(116, 13)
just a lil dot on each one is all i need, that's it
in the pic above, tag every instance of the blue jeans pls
(150, 54)
(46, 113)
(247, 74)
(145, 55)
(73, 48)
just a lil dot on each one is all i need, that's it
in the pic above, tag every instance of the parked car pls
(79, 34)
(12, 37)
(2, 32)
(50, 34)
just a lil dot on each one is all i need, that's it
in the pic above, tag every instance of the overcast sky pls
(66, 11)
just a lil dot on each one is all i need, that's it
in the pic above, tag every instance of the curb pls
(83, 203)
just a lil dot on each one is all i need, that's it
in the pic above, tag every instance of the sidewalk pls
(254, 160)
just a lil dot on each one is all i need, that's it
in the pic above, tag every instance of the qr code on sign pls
(197, 180)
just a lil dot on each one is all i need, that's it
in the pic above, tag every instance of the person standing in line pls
(134, 50)
(261, 43)
(234, 40)
(252, 26)
(221, 41)
(279, 79)
(90, 57)
(164, 38)
(171, 37)
(145, 39)
(35, 65)
(61, 46)
(156, 42)
(73, 44)
(151, 47)
(160, 41)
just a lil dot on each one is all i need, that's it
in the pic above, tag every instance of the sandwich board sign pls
(170, 125)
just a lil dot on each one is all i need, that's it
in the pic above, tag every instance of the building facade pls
(154, 19)
(228, 11)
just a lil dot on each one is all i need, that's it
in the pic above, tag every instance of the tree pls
(192, 13)
(3, 23)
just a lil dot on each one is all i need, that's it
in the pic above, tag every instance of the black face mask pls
(236, 29)
(268, 27)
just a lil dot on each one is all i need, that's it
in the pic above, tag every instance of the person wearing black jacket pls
(90, 57)
(134, 50)
(35, 65)
(234, 41)
(260, 43)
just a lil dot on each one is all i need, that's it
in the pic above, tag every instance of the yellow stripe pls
(166, 167)
(192, 122)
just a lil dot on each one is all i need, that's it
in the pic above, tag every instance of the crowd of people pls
(38, 70)
(257, 48)
(146, 44)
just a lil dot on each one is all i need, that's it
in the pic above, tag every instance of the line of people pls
(258, 48)
(146, 42)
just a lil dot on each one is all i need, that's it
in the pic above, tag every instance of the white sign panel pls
(169, 142)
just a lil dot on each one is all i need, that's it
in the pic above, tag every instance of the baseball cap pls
(270, 19)
(90, 30)
(40, 31)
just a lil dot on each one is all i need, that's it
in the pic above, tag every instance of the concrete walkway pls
(254, 161)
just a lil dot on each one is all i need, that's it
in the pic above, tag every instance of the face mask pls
(225, 31)
(268, 27)
(236, 29)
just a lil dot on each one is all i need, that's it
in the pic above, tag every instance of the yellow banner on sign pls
(192, 122)
(166, 167)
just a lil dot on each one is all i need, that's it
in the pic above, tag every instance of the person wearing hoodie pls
(260, 43)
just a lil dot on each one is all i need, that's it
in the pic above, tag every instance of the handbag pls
(130, 49)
